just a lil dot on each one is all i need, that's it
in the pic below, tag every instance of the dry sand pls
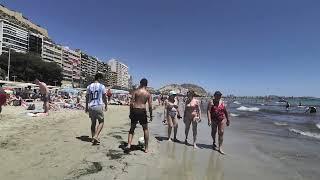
(55, 147)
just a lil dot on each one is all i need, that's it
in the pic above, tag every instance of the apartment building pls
(112, 79)
(52, 52)
(21, 20)
(35, 43)
(13, 36)
(122, 71)
(71, 64)
(88, 65)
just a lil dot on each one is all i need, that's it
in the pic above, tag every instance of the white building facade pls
(13, 36)
(122, 72)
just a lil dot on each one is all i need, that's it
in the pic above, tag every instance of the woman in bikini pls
(171, 114)
(192, 115)
(217, 118)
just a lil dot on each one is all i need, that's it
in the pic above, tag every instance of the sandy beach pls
(56, 147)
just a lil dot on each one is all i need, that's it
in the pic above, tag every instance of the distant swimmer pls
(192, 115)
(218, 118)
(138, 112)
(287, 106)
(171, 114)
(311, 110)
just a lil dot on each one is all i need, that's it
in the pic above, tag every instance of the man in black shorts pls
(138, 112)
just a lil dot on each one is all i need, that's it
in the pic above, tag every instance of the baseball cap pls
(217, 93)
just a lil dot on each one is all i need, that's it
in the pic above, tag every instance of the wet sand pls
(253, 152)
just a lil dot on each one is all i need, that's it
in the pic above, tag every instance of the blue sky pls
(242, 47)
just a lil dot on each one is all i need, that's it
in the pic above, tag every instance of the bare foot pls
(95, 142)
(195, 146)
(146, 151)
(214, 146)
(221, 151)
(169, 139)
(175, 140)
(186, 142)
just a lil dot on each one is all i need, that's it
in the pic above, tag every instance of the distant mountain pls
(199, 90)
(183, 89)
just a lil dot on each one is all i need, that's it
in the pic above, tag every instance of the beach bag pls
(31, 107)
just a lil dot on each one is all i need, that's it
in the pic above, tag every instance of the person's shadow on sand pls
(85, 138)
(161, 138)
(124, 144)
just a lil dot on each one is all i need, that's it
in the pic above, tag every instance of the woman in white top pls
(171, 114)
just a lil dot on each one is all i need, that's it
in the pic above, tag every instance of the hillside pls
(183, 89)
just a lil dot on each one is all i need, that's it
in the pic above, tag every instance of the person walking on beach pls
(171, 114)
(138, 112)
(45, 96)
(192, 115)
(109, 94)
(218, 118)
(96, 101)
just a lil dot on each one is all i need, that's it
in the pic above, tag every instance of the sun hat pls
(171, 93)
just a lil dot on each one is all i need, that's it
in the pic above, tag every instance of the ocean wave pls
(309, 134)
(236, 102)
(252, 109)
(262, 104)
(234, 115)
(280, 123)
(318, 125)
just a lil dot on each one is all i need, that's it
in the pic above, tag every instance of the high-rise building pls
(71, 66)
(88, 65)
(35, 43)
(130, 83)
(20, 20)
(112, 78)
(13, 36)
(122, 71)
(51, 52)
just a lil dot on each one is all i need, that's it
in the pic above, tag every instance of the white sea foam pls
(234, 115)
(280, 123)
(318, 125)
(236, 102)
(309, 134)
(252, 109)
(262, 104)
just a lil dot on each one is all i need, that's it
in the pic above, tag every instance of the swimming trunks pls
(138, 115)
(96, 113)
(45, 97)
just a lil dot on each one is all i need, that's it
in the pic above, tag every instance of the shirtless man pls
(192, 115)
(138, 112)
(45, 96)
